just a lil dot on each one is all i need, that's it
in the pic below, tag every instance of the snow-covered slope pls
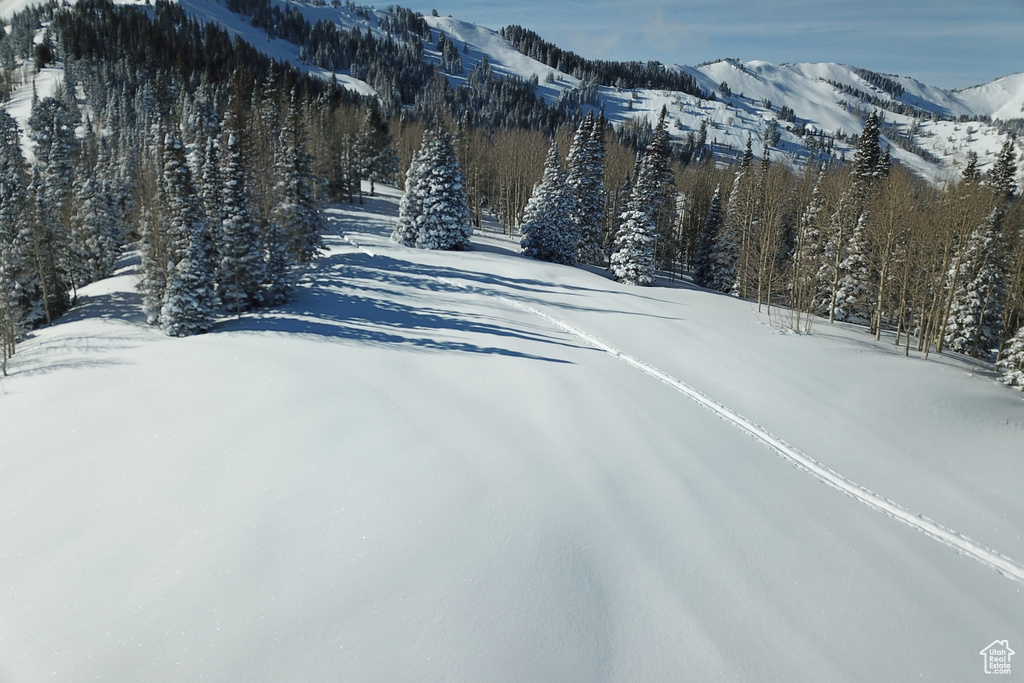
(458, 466)
(934, 149)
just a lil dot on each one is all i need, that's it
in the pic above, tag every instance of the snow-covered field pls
(424, 468)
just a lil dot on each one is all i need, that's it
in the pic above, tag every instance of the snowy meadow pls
(476, 466)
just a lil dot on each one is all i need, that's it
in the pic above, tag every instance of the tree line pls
(212, 159)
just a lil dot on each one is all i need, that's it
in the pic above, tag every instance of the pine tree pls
(240, 273)
(96, 235)
(1003, 176)
(296, 211)
(585, 178)
(632, 260)
(548, 231)
(868, 155)
(971, 174)
(703, 263)
(410, 206)
(852, 301)
(376, 159)
(17, 296)
(188, 305)
(807, 255)
(52, 131)
(974, 324)
(433, 213)
(1011, 365)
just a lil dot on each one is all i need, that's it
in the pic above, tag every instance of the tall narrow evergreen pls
(703, 263)
(585, 178)
(18, 297)
(52, 131)
(852, 302)
(632, 260)
(548, 231)
(1003, 176)
(240, 273)
(188, 305)
(297, 212)
(974, 324)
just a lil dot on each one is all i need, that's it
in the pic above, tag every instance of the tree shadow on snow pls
(382, 301)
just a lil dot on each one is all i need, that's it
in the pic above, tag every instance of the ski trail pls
(954, 539)
(949, 537)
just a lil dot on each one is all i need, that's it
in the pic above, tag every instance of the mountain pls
(928, 129)
(476, 466)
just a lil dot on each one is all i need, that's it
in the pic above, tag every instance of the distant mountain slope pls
(930, 130)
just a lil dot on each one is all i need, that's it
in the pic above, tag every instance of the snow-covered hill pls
(473, 466)
(829, 99)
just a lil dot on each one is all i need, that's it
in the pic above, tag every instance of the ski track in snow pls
(949, 537)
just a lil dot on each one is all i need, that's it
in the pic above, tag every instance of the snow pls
(802, 87)
(476, 466)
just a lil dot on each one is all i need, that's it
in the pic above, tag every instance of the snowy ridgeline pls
(473, 465)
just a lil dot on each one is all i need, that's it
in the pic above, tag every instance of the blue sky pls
(947, 43)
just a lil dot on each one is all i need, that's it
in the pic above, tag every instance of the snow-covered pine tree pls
(1003, 176)
(971, 173)
(410, 206)
(632, 259)
(52, 131)
(807, 255)
(853, 298)
(703, 265)
(974, 324)
(868, 155)
(16, 295)
(839, 231)
(433, 210)
(240, 269)
(96, 235)
(189, 299)
(548, 231)
(585, 178)
(375, 157)
(1011, 365)
(296, 211)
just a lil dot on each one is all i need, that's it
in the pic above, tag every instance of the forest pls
(170, 137)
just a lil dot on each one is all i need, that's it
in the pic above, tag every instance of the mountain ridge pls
(819, 107)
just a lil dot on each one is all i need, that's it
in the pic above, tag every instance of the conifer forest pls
(170, 140)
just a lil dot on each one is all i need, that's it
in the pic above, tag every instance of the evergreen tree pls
(52, 131)
(433, 213)
(807, 255)
(725, 259)
(188, 305)
(853, 298)
(703, 262)
(375, 156)
(548, 231)
(1011, 365)
(296, 211)
(410, 206)
(18, 297)
(971, 174)
(868, 155)
(1003, 176)
(974, 324)
(585, 178)
(240, 273)
(632, 260)
(96, 235)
